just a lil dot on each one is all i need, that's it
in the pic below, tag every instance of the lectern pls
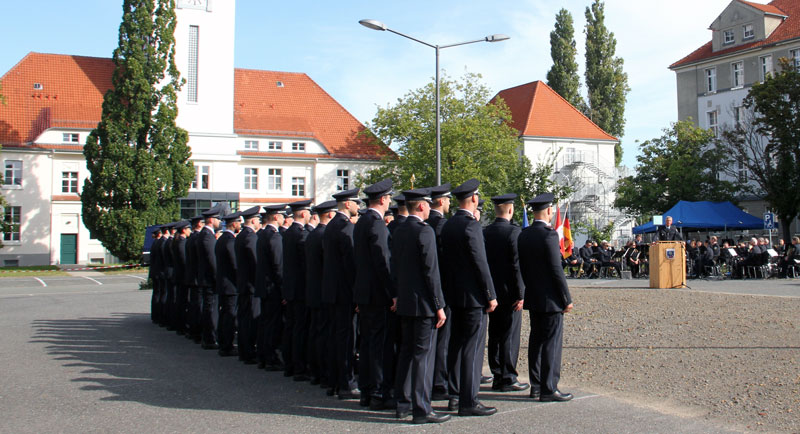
(668, 264)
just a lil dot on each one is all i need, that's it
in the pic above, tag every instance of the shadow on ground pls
(130, 359)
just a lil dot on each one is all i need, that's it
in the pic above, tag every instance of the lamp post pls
(377, 25)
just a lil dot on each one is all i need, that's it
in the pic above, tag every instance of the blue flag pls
(525, 223)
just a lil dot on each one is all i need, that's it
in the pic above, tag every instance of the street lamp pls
(377, 25)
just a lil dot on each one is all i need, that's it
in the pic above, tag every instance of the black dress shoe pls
(432, 417)
(350, 394)
(314, 381)
(401, 414)
(209, 346)
(555, 396)
(439, 394)
(515, 387)
(496, 385)
(365, 400)
(486, 379)
(249, 361)
(535, 393)
(478, 410)
(288, 373)
(262, 365)
(452, 405)
(331, 391)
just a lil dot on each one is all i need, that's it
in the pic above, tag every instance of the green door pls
(69, 248)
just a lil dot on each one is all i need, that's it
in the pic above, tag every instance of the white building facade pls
(257, 137)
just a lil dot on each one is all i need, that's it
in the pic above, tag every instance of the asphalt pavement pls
(79, 354)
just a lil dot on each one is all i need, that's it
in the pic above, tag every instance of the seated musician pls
(605, 258)
(590, 263)
(572, 263)
(631, 257)
(705, 258)
(751, 258)
(790, 256)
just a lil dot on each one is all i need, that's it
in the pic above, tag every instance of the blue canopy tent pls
(706, 215)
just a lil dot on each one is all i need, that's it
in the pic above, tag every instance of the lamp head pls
(494, 38)
(375, 25)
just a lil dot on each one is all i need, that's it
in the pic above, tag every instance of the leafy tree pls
(606, 82)
(593, 232)
(476, 141)
(680, 165)
(137, 157)
(563, 75)
(766, 142)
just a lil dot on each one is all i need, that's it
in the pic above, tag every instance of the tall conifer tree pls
(563, 75)
(138, 158)
(606, 82)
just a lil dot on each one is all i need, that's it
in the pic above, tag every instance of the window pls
(298, 147)
(13, 218)
(251, 145)
(711, 80)
(13, 172)
(70, 137)
(11, 262)
(275, 146)
(298, 187)
(728, 37)
(274, 177)
(712, 122)
(737, 69)
(738, 115)
(69, 182)
(747, 31)
(795, 56)
(342, 179)
(201, 177)
(250, 178)
(766, 66)
(569, 156)
(741, 170)
(191, 73)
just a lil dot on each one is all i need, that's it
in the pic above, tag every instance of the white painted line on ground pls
(137, 277)
(89, 278)
(47, 294)
(40, 281)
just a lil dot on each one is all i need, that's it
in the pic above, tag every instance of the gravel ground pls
(732, 358)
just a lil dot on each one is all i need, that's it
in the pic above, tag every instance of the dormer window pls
(70, 137)
(251, 145)
(747, 32)
(728, 37)
(298, 147)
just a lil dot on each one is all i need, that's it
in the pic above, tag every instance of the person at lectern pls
(668, 232)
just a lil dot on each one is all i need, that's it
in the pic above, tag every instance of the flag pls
(559, 229)
(525, 223)
(566, 242)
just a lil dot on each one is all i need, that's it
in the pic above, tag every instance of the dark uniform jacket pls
(156, 263)
(190, 276)
(206, 260)
(468, 282)
(668, 234)
(166, 258)
(226, 264)
(540, 262)
(179, 259)
(415, 269)
(398, 219)
(294, 263)
(501, 251)
(314, 256)
(269, 277)
(371, 248)
(246, 260)
(338, 275)
(586, 253)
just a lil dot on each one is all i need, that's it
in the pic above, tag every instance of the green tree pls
(680, 165)
(563, 75)
(137, 157)
(766, 142)
(606, 82)
(476, 141)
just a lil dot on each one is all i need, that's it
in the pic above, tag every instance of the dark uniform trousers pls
(440, 379)
(247, 311)
(415, 365)
(317, 339)
(195, 312)
(344, 330)
(155, 301)
(504, 329)
(269, 321)
(227, 321)
(181, 303)
(465, 354)
(169, 302)
(544, 350)
(166, 288)
(210, 318)
(373, 322)
(287, 320)
(299, 341)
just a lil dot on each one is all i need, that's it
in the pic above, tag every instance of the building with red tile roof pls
(257, 137)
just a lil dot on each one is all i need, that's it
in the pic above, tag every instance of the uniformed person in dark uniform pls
(247, 304)
(420, 304)
(338, 277)
(320, 329)
(168, 296)
(440, 206)
(470, 293)
(505, 322)
(668, 232)
(401, 213)
(547, 299)
(195, 309)
(373, 296)
(207, 276)
(181, 290)
(295, 336)
(226, 284)
(155, 276)
(269, 280)
(388, 216)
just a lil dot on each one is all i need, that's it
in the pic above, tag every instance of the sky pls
(364, 69)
